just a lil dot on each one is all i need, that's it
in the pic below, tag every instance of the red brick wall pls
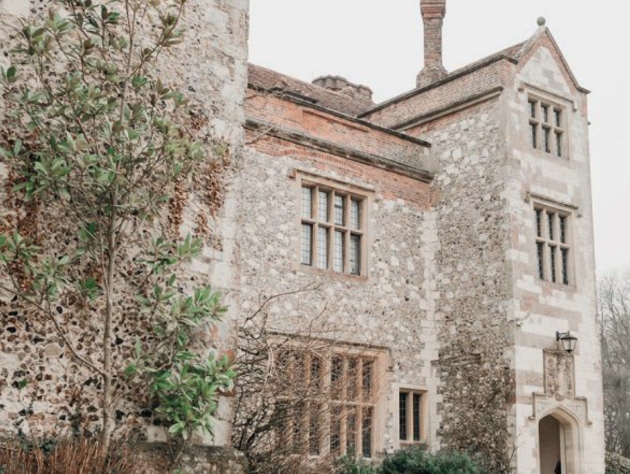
(335, 129)
(391, 185)
(434, 99)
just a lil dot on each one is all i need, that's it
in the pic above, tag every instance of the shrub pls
(616, 464)
(351, 465)
(418, 460)
(66, 456)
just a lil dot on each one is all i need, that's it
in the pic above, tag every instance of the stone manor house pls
(448, 232)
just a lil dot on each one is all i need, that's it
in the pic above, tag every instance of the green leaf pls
(17, 147)
(5, 153)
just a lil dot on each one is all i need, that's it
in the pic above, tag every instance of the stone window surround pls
(379, 361)
(410, 391)
(554, 102)
(363, 193)
(544, 242)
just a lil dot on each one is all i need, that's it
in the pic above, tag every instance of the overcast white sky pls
(379, 43)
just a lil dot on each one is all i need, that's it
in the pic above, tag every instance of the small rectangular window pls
(328, 216)
(553, 246)
(410, 416)
(545, 128)
(402, 416)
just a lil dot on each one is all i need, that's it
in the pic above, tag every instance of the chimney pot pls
(343, 86)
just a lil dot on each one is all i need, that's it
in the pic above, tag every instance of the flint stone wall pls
(388, 309)
(471, 278)
(210, 67)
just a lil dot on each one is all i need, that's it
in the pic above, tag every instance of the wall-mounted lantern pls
(567, 341)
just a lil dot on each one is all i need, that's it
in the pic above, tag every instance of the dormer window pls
(547, 126)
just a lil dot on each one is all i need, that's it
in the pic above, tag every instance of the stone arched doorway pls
(558, 444)
(551, 446)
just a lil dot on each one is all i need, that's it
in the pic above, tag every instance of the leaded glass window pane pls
(307, 203)
(336, 372)
(338, 258)
(352, 376)
(355, 254)
(552, 262)
(314, 430)
(367, 380)
(322, 247)
(563, 229)
(323, 206)
(307, 243)
(545, 113)
(355, 210)
(402, 416)
(335, 429)
(565, 266)
(339, 208)
(534, 135)
(351, 431)
(416, 417)
(547, 140)
(559, 143)
(550, 222)
(366, 433)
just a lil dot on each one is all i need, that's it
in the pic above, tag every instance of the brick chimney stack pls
(433, 12)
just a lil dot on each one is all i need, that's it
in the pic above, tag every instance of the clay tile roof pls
(267, 79)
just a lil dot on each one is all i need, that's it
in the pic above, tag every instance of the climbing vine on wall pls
(101, 161)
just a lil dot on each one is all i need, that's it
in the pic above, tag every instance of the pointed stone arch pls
(570, 437)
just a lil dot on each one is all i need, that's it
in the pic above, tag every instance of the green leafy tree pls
(101, 158)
